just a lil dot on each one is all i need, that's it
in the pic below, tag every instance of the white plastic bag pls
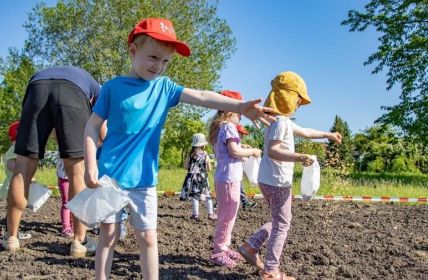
(93, 205)
(310, 180)
(251, 169)
(37, 196)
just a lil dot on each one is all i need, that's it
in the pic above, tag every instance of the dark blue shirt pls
(76, 75)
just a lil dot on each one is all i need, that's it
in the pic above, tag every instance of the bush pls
(376, 165)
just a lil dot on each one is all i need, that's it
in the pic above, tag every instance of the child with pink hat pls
(224, 138)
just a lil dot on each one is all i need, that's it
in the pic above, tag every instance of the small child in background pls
(243, 196)
(9, 159)
(276, 171)
(196, 185)
(225, 139)
(63, 185)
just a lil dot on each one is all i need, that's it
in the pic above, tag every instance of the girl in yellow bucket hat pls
(276, 171)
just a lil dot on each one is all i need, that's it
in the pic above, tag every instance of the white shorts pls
(143, 209)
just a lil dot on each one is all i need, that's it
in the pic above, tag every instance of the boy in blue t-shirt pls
(136, 106)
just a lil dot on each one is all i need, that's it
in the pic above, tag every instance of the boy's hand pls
(306, 160)
(336, 137)
(91, 178)
(257, 152)
(255, 112)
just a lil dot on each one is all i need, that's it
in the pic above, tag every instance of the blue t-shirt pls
(76, 75)
(135, 110)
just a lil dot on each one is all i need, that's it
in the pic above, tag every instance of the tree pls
(381, 149)
(255, 137)
(403, 51)
(177, 137)
(340, 157)
(318, 149)
(16, 71)
(93, 34)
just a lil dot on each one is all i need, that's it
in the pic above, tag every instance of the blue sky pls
(273, 36)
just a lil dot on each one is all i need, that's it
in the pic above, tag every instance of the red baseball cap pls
(159, 29)
(242, 129)
(231, 94)
(13, 131)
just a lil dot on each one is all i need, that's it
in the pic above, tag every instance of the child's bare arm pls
(276, 152)
(209, 167)
(238, 152)
(212, 100)
(318, 134)
(92, 132)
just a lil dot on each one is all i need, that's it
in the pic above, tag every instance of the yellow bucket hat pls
(287, 87)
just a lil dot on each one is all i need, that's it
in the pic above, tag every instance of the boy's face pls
(149, 59)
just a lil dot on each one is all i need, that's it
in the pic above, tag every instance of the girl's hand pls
(306, 160)
(255, 112)
(257, 152)
(336, 137)
(91, 177)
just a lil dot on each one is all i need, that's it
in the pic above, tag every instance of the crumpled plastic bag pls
(37, 196)
(310, 180)
(93, 205)
(251, 169)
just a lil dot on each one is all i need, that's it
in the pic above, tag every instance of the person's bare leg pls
(74, 168)
(109, 235)
(25, 168)
(149, 256)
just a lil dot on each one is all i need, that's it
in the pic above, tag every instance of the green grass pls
(369, 184)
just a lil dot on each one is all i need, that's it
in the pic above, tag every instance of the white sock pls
(195, 207)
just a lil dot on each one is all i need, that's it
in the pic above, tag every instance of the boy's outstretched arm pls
(92, 132)
(212, 100)
(318, 134)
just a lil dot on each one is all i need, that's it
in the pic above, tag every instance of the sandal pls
(67, 232)
(212, 217)
(195, 217)
(250, 255)
(222, 259)
(278, 275)
(233, 255)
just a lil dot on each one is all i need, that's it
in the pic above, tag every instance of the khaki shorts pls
(143, 209)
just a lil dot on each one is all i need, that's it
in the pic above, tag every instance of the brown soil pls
(327, 240)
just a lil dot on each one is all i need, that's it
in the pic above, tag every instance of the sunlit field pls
(357, 184)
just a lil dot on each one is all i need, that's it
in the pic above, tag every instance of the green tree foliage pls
(93, 34)
(381, 149)
(16, 71)
(255, 136)
(311, 148)
(340, 157)
(177, 137)
(403, 51)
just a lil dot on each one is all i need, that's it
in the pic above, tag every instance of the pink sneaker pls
(233, 255)
(67, 232)
(212, 217)
(222, 259)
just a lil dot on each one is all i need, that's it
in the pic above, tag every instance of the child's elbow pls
(273, 154)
